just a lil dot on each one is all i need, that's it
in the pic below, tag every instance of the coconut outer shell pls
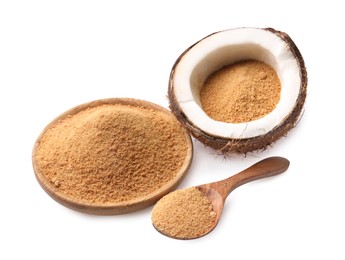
(228, 146)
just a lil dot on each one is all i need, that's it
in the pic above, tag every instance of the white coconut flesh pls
(227, 47)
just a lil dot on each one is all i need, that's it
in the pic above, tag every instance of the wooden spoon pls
(217, 192)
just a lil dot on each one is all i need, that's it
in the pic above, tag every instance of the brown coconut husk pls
(228, 146)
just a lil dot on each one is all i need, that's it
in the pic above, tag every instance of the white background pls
(55, 55)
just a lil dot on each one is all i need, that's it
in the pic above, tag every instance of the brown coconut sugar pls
(184, 214)
(111, 153)
(241, 92)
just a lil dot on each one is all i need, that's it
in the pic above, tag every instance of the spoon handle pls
(265, 168)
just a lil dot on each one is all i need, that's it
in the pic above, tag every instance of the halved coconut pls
(217, 50)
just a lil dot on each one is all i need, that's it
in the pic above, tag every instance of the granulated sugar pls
(111, 153)
(241, 92)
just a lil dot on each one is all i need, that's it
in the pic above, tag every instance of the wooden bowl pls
(116, 207)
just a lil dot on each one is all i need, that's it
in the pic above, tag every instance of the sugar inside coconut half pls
(217, 50)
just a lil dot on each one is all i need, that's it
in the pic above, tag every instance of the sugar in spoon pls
(216, 193)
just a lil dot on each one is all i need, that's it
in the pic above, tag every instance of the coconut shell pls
(228, 146)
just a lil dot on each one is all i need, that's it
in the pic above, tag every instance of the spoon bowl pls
(217, 192)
